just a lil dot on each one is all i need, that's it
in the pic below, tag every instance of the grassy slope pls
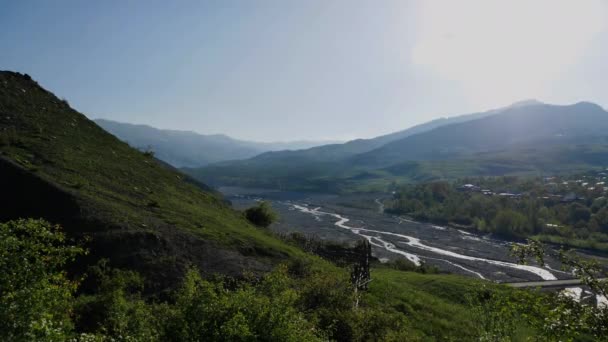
(437, 306)
(115, 184)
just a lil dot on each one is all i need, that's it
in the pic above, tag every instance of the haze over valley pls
(304, 171)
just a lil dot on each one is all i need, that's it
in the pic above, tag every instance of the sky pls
(281, 70)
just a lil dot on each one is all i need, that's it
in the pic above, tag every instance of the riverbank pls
(349, 218)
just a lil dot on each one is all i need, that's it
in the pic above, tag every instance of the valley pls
(350, 218)
(304, 171)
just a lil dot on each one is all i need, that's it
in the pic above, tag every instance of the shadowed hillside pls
(57, 164)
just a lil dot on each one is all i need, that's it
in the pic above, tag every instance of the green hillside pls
(57, 164)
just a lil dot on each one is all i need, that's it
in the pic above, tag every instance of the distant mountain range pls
(534, 124)
(190, 149)
(518, 138)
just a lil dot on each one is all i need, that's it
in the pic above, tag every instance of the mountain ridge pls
(191, 149)
(520, 124)
(524, 125)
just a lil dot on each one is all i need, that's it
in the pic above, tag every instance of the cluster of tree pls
(295, 302)
(38, 302)
(524, 209)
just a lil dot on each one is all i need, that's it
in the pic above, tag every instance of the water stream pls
(374, 237)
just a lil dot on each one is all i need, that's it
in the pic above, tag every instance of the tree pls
(579, 212)
(35, 293)
(360, 275)
(511, 223)
(261, 215)
(207, 311)
(560, 317)
(601, 219)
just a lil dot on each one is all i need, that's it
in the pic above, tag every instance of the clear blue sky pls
(314, 69)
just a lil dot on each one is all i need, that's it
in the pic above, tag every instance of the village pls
(591, 185)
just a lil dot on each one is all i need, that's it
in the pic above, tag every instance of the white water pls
(415, 242)
(380, 205)
(602, 302)
(573, 292)
(471, 237)
(555, 270)
(403, 219)
(391, 248)
(459, 266)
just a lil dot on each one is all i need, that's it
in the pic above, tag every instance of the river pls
(348, 218)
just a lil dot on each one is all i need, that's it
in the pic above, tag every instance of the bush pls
(116, 310)
(148, 152)
(261, 215)
(402, 265)
(35, 294)
(206, 311)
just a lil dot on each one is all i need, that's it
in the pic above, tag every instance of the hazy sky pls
(306, 69)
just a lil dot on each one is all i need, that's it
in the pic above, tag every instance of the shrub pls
(35, 294)
(261, 215)
(116, 310)
(206, 311)
(148, 152)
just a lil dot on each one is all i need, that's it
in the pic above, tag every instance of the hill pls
(526, 137)
(144, 216)
(190, 149)
(532, 125)
(311, 168)
(336, 152)
(136, 211)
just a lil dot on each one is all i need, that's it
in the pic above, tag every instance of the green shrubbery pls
(534, 211)
(261, 215)
(38, 301)
(36, 297)
(267, 311)
(298, 301)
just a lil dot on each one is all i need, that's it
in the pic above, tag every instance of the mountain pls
(134, 210)
(334, 152)
(475, 144)
(310, 168)
(190, 149)
(534, 124)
